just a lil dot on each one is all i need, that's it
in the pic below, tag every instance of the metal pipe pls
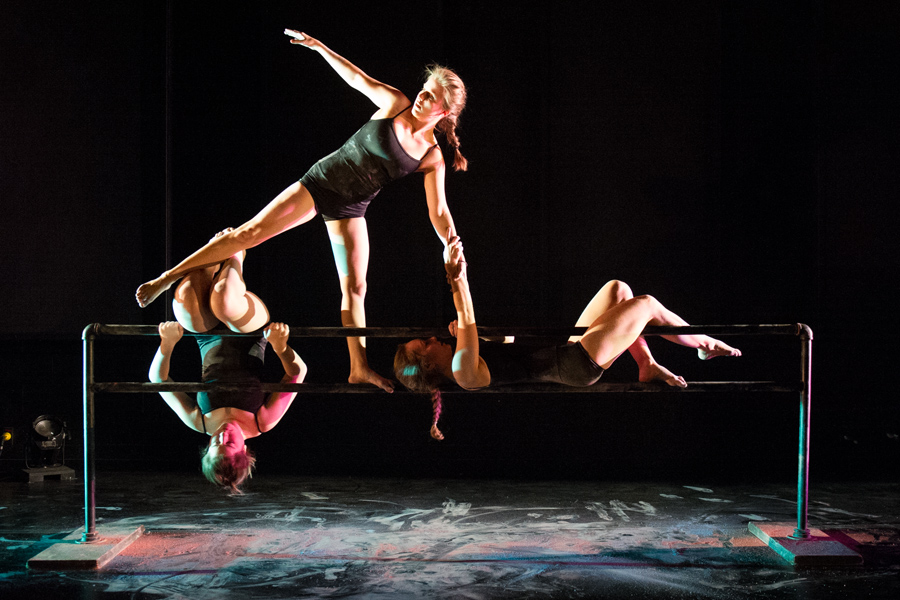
(90, 498)
(799, 329)
(414, 332)
(126, 387)
(806, 338)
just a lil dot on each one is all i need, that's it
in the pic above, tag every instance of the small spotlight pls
(48, 437)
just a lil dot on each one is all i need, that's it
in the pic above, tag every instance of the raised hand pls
(301, 39)
(277, 334)
(170, 333)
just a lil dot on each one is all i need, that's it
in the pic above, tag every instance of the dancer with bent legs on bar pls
(398, 139)
(205, 301)
(615, 319)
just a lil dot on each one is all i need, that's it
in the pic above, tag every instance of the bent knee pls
(646, 299)
(619, 289)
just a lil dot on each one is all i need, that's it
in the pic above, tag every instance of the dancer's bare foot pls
(367, 375)
(656, 372)
(716, 348)
(151, 290)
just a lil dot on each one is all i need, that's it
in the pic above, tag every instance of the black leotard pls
(569, 364)
(233, 360)
(343, 183)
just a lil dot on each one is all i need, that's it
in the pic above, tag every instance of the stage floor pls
(295, 537)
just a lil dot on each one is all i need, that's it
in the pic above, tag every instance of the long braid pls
(454, 101)
(447, 126)
(421, 378)
(436, 414)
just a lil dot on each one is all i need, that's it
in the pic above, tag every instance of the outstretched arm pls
(183, 405)
(469, 370)
(438, 212)
(382, 95)
(278, 403)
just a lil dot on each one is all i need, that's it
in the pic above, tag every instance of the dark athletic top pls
(233, 360)
(343, 183)
(568, 364)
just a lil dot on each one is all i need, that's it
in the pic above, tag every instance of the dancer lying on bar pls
(398, 140)
(205, 300)
(615, 319)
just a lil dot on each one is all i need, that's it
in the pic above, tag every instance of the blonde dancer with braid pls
(398, 140)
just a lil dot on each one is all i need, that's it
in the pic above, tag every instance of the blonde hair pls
(454, 102)
(228, 471)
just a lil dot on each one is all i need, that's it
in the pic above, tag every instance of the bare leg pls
(290, 208)
(618, 328)
(191, 302)
(241, 311)
(350, 246)
(611, 294)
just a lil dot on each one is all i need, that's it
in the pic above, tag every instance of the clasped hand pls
(454, 259)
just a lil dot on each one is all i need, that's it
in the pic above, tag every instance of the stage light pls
(6, 439)
(48, 442)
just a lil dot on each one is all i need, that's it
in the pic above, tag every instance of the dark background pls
(739, 161)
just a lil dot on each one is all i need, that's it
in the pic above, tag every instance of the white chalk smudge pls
(838, 511)
(395, 521)
(753, 517)
(291, 516)
(456, 510)
(313, 496)
(714, 500)
(620, 509)
(331, 574)
(672, 496)
(534, 515)
(699, 489)
(770, 497)
(598, 508)
(109, 508)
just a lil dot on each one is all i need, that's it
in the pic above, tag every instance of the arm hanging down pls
(434, 169)
(181, 404)
(278, 403)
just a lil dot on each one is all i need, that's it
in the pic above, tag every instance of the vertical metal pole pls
(90, 500)
(802, 530)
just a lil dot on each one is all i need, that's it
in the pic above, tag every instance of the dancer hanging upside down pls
(398, 140)
(615, 319)
(205, 300)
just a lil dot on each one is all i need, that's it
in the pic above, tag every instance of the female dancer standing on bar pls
(398, 140)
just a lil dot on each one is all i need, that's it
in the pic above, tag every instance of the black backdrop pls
(736, 160)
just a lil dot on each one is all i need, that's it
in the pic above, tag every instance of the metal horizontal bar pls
(523, 388)
(417, 332)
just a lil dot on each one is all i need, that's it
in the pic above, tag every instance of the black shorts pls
(569, 364)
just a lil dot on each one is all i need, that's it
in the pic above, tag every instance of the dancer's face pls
(227, 440)
(430, 102)
(432, 351)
